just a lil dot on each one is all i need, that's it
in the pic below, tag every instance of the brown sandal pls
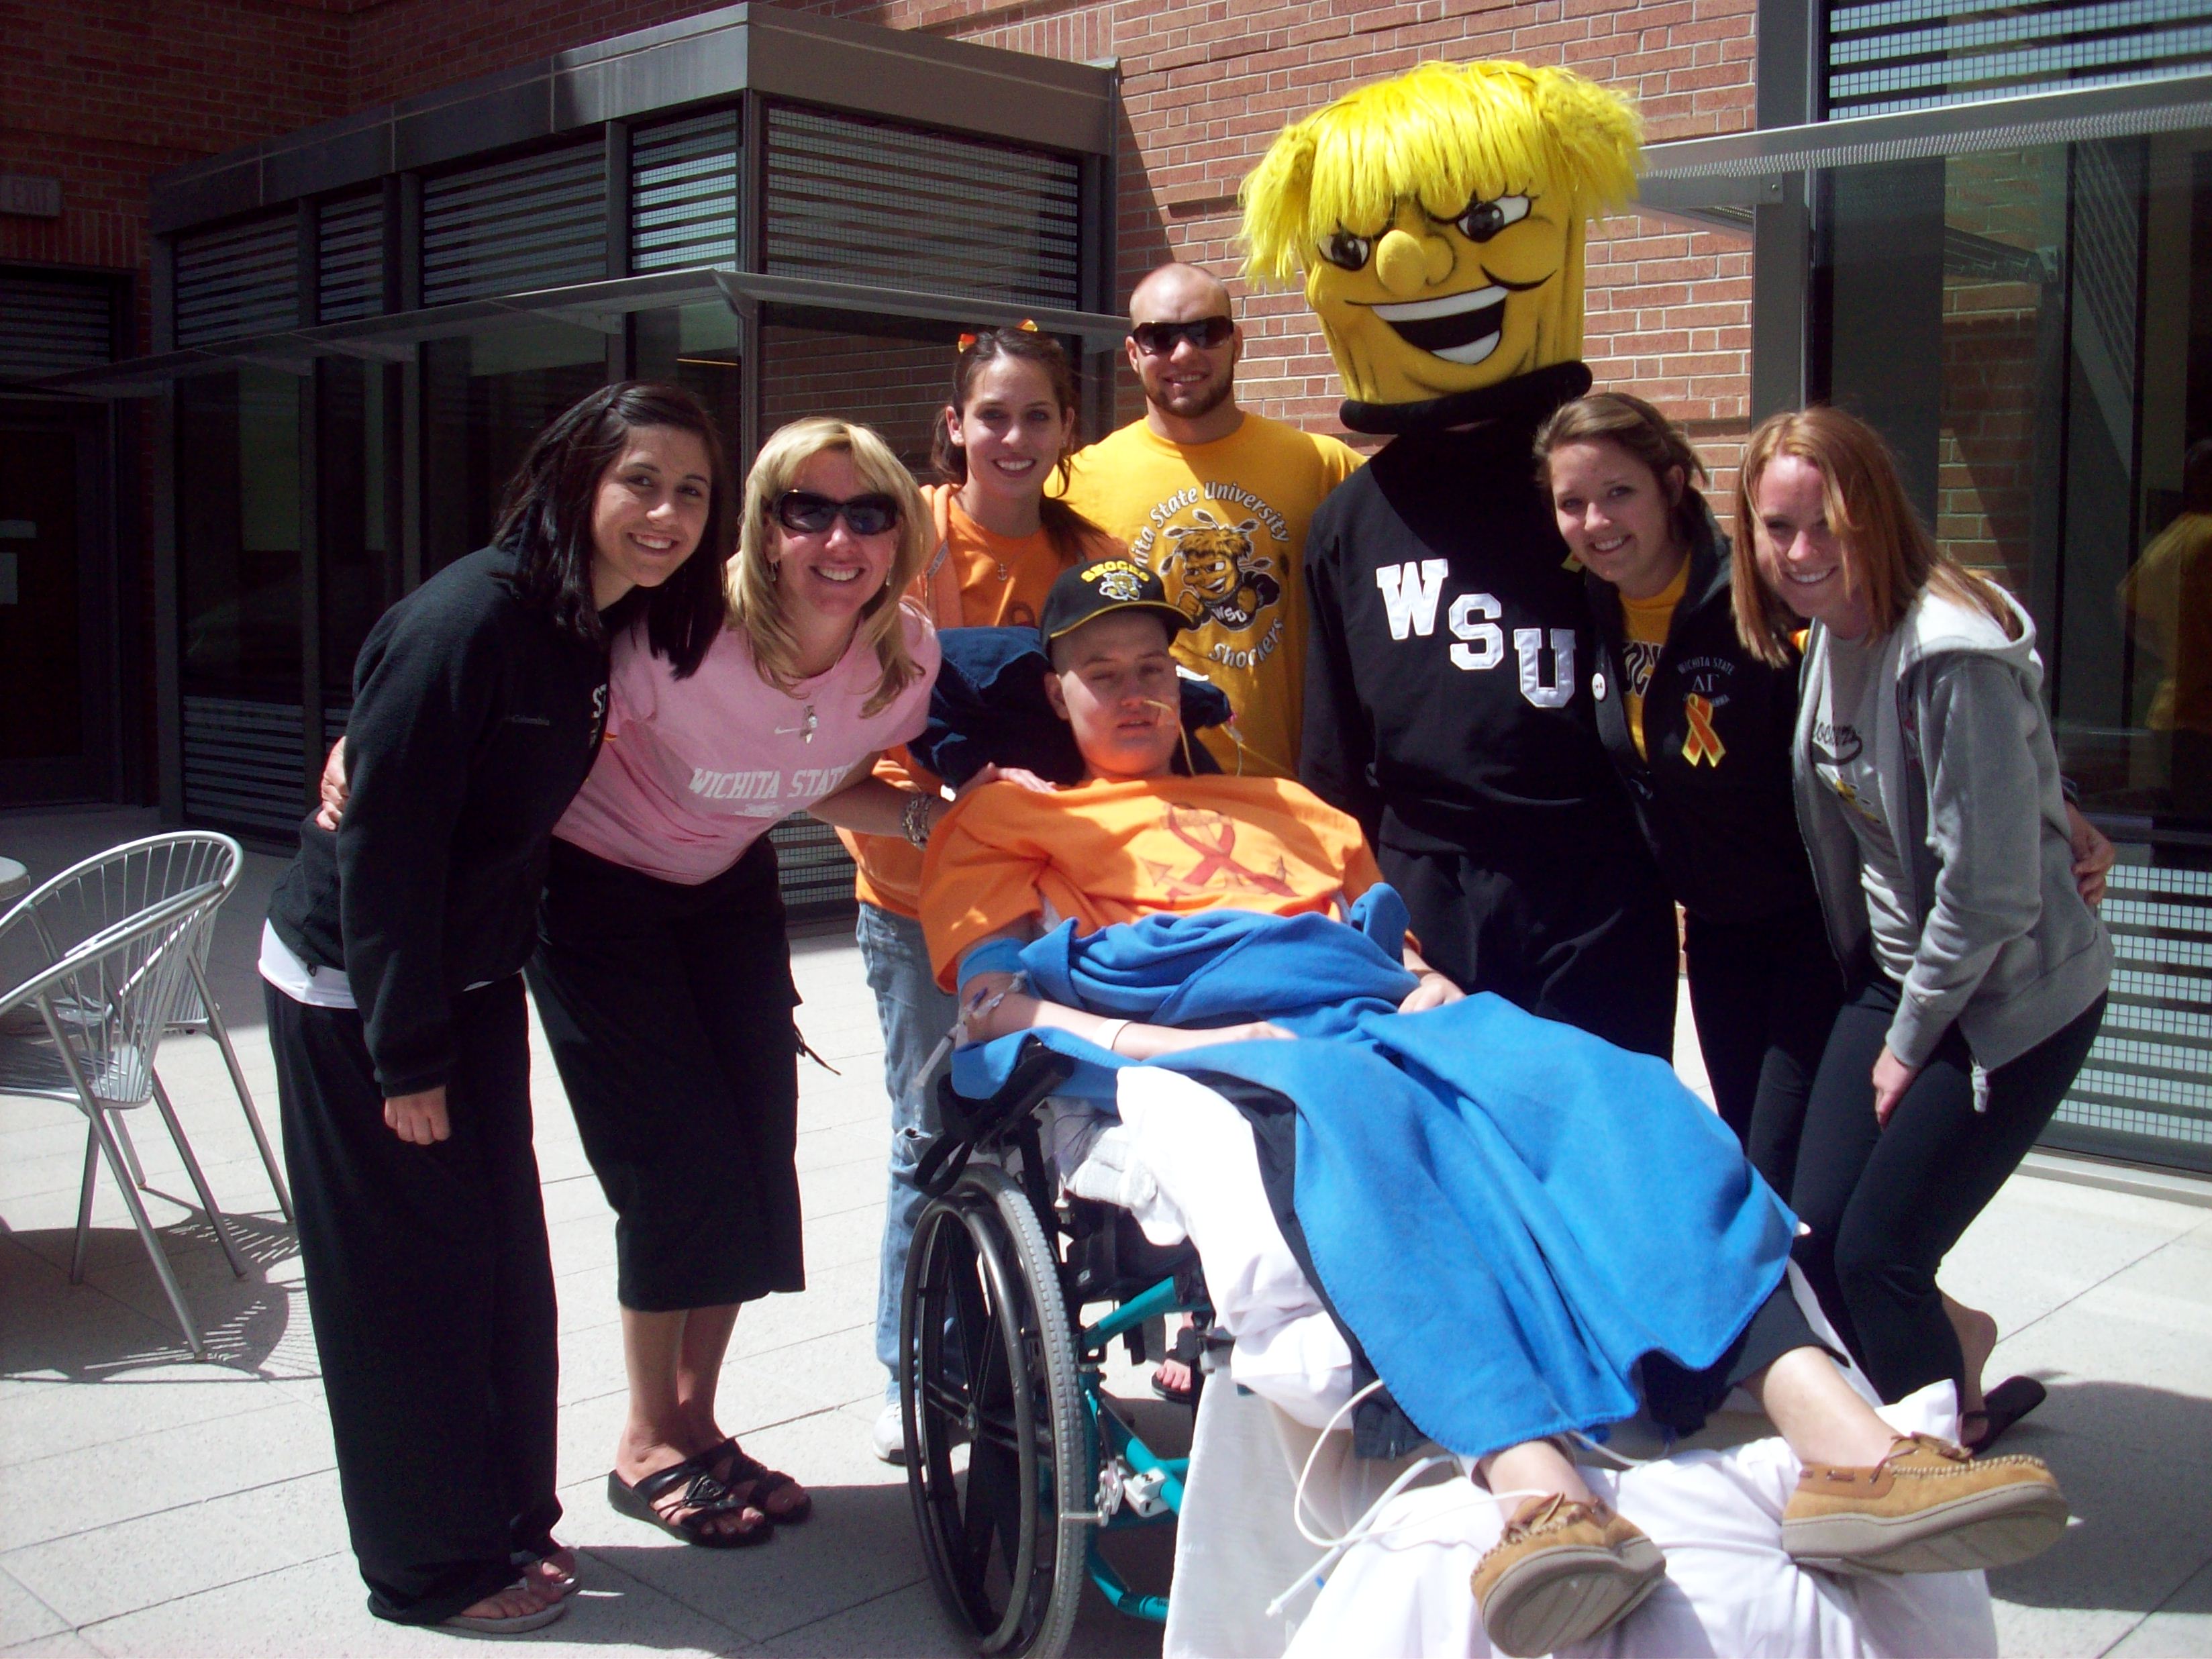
(766, 1482)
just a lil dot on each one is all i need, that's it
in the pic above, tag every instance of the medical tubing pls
(1365, 1526)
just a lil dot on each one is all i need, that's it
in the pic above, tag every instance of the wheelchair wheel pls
(997, 1456)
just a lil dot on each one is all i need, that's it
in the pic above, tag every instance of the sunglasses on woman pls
(1159, 339)
(803, 513)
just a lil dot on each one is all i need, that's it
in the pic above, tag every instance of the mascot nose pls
(1407, 263)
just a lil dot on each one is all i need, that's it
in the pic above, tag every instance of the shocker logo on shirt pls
(1208, 544)
(1224, 579)
(1212, 836)
(1638, 658)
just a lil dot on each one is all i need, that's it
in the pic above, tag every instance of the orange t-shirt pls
(974, 579)
(1104, 853)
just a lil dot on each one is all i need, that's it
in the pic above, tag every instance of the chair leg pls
(84, 1204)
(129, 1153)
(221, 1033)
(199, 1180)
(149, 1238)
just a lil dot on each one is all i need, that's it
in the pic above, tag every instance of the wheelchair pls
(1017, 1462)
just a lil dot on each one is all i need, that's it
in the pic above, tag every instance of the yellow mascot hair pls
(1442, 134)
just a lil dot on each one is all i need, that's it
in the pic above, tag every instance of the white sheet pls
(1404, 1590)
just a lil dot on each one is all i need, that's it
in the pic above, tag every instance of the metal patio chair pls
(122, 939)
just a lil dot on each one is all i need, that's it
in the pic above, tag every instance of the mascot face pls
(1429, 307)
(1438, 221)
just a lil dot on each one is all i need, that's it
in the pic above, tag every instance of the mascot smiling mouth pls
(1460, 328)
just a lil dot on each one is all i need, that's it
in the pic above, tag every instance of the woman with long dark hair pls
(393, 955)
(1001, 542)
(1699, 728)
(1978, 973)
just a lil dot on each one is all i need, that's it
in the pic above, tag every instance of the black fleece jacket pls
(1722, 823)
(1448, 697)
(475, 720)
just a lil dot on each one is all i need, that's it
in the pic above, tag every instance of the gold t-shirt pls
(1647, 622)
(1223, 525)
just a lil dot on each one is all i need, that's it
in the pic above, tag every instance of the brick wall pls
(103, 95)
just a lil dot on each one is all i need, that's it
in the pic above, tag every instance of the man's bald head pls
(1178, 294)
(1189, 388)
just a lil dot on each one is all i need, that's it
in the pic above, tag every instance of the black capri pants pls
(432, 1295)
(1885, 1205)
(1766, 994)
(668, 1009)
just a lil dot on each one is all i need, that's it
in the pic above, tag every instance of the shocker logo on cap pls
(1117, 580)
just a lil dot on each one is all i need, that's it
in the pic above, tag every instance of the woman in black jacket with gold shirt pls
(1700, 730)
(392, 957)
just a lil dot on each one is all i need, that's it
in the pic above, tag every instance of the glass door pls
(56, 742)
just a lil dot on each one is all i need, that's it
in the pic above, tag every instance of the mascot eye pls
(1484, 220)
(1341, 247)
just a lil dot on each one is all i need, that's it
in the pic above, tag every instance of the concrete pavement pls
(149, 1504)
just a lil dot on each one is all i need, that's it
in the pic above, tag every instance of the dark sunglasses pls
(1159, 339)
(803, 513)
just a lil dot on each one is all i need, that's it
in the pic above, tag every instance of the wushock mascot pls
(1436, 222)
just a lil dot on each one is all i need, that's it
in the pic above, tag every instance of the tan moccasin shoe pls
(1929, 1506)
(1562, 1572)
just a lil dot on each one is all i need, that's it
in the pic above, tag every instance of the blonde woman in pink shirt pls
(662, 976)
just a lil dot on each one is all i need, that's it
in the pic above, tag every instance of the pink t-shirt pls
(694, 771)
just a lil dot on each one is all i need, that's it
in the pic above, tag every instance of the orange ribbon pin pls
(1704, 744)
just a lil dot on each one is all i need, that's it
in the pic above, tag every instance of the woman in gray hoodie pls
(1978, 972)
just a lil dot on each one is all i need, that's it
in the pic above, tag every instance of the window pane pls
(895, 385)
(696, 347)
(2064, 295)
(360, 569)
(485, 399)
(238, 533)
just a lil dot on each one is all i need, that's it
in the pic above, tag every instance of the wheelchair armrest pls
(969, 1124)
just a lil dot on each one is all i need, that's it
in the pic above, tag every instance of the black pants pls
(668, 1009)
(1589, 942)
(1679, 1400)
(1886, 1204)
(1766, 994)
(432, 1295)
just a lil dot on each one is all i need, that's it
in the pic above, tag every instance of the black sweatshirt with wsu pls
(1447, 672)
(474, 721)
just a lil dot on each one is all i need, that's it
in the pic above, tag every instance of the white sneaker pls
(889, 1435)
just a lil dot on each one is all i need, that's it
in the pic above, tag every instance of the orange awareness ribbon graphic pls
(1216, 860)
(1704, 744)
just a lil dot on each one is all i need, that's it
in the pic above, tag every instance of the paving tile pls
(317, 1607)
(39, 1419)
(905, 1624)
(110, 1570)
(2181, 1629)
(62, 1644)
(23, 1616)
(2140, 1535)
(75, 1492)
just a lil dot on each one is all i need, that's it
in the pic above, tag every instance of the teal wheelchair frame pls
(996, 1365)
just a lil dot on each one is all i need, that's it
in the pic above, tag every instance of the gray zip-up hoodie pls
(1969, 783)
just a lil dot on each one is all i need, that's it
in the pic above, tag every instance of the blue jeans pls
(915, 1016)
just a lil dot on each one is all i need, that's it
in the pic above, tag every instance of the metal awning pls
(1720, 179)
(601, 306)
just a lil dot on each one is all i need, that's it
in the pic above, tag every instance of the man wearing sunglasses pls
(1214, 500)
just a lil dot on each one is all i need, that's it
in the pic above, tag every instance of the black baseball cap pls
(1092, 590)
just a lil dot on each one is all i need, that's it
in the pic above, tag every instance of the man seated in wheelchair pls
(1524, 1230)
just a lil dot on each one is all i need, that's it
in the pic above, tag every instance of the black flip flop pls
(1186, 1350)
(2002, 1407)
(704, 1496)
(767, 1482)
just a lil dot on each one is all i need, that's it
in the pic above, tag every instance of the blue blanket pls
(1507, 1212)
